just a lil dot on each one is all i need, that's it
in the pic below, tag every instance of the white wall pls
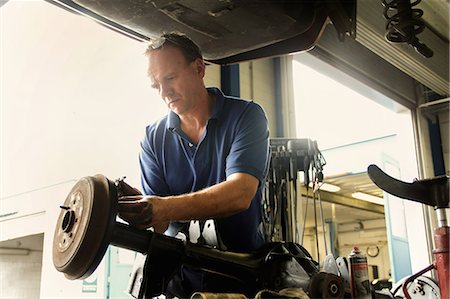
(73, 104)
(75, 100)
(21, 275)
(20, 265)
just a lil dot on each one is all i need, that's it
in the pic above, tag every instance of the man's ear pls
(200, 67)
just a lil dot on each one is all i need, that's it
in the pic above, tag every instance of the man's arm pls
(224, 199)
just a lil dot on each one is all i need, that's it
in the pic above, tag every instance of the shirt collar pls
(173, 120)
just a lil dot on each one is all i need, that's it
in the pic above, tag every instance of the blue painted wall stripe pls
(229, 80)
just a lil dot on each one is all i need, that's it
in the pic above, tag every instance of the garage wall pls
(425, 115)
(426, 161)
(256, 82)
(445, 136)
(212, 77)
(20, 274)
(72, 105)
(364, 234)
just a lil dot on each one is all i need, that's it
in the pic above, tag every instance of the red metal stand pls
(441, 255)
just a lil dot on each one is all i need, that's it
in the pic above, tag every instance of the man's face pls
(179, 82)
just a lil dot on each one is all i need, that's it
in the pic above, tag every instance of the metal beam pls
(278, 97)
(347, 201)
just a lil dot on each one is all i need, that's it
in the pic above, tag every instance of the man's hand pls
(138, 211)
(221, 200)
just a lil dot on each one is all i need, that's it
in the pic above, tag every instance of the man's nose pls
(165, 91)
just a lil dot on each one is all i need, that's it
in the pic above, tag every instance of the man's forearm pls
(224, 199)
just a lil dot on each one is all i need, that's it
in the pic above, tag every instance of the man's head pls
(189, 49)
(176, 70)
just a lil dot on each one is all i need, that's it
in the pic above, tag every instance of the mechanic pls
(206, 159)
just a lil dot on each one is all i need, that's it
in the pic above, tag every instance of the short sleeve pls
(152, 172)
(250, 147)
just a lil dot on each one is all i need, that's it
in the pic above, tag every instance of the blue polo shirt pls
(236, 140)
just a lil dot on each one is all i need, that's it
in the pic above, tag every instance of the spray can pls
(359, 275)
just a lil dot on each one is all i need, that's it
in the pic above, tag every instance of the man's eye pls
(154, 84)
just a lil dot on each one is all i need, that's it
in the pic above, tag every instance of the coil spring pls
(403, 25)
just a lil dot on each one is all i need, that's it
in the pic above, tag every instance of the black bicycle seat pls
(433, 192)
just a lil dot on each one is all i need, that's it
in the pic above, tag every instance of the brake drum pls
(84, 226)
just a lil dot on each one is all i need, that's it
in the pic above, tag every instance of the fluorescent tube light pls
(369, 198)
(327, 187)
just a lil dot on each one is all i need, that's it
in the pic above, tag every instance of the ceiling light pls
(369, 198)
(327, 187)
